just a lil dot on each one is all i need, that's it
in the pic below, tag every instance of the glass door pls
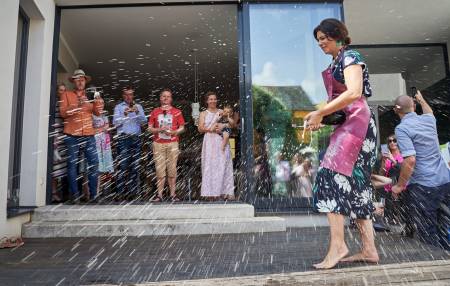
(286, 65)
(189, 48)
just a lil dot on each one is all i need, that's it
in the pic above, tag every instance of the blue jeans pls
(129, 151)
(87, 144)
(423, 207)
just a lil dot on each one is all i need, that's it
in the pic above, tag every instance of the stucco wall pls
(36, 106)
(8, 30)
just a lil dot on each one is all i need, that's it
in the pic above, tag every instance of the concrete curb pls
(421, 273)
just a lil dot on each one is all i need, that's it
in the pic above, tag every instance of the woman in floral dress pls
(343, 187)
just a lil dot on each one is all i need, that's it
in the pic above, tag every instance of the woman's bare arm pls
(354, 81)
(201, 123)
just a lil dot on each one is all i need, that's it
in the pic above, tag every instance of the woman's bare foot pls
(363, 256)
(333, 257)
(228, 198)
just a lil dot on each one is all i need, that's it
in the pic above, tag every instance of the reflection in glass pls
(395, 70)
(286, 85)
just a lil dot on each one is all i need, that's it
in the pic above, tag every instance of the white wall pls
(8, 30)
(36, 105)
(37, 99)
(386, 87)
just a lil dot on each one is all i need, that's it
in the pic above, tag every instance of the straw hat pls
(79, 73)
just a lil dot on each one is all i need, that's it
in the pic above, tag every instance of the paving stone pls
(129, 260)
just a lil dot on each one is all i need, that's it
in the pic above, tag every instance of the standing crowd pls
(88, 143)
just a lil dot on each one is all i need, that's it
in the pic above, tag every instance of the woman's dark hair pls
(335, 29)
(387, 140)
(208, 94)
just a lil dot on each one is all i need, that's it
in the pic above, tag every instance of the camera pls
(94, 92)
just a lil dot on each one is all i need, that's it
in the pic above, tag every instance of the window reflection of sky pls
(284, 51)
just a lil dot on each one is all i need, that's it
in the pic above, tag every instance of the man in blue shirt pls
(424, 176)
(128, 119)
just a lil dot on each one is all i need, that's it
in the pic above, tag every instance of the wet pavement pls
(126, 260)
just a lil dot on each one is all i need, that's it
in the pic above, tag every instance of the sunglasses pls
(392, 140)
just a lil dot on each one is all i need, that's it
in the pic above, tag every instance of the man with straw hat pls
(77, 110)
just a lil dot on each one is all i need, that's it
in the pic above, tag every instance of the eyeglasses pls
(392, 140)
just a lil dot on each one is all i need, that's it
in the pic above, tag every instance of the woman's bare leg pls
(337, 249)
(369, 251)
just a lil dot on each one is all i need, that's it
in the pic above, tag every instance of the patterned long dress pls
(349, 194)
(217, 166)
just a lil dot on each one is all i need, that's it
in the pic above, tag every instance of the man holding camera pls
(424, 176)
(77, 109)
(128, 118)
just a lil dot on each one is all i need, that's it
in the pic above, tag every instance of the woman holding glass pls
(343, 187)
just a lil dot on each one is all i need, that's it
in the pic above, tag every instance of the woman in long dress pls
(302, 175)
(343, 186)
(217, 165)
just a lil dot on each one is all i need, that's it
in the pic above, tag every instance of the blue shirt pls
(417, 136)
(130, 124)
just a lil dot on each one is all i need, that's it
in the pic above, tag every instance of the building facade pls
(259, 56)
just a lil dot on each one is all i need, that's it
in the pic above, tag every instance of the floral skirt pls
(349, 195)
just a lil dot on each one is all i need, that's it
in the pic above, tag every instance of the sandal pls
(174, 198)
(11, 242)
(157, 199)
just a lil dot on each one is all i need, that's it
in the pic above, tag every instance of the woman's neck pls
(395, 152)
(336, 52)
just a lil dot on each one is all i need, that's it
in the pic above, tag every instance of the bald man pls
(424, 174)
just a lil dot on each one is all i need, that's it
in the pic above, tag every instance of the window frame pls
(16, 128)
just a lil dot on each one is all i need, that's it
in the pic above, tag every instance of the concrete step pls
(141, 212)
(96, 228)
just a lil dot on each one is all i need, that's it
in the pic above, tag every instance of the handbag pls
(335, 118)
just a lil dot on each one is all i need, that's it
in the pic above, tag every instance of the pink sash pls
(347, 139)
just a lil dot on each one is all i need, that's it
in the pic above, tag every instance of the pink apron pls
(347, 139)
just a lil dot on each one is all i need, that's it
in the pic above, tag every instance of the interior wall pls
(424, 77)
(386, 87)
(150, 54)
(66, 57)
(398, 22)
